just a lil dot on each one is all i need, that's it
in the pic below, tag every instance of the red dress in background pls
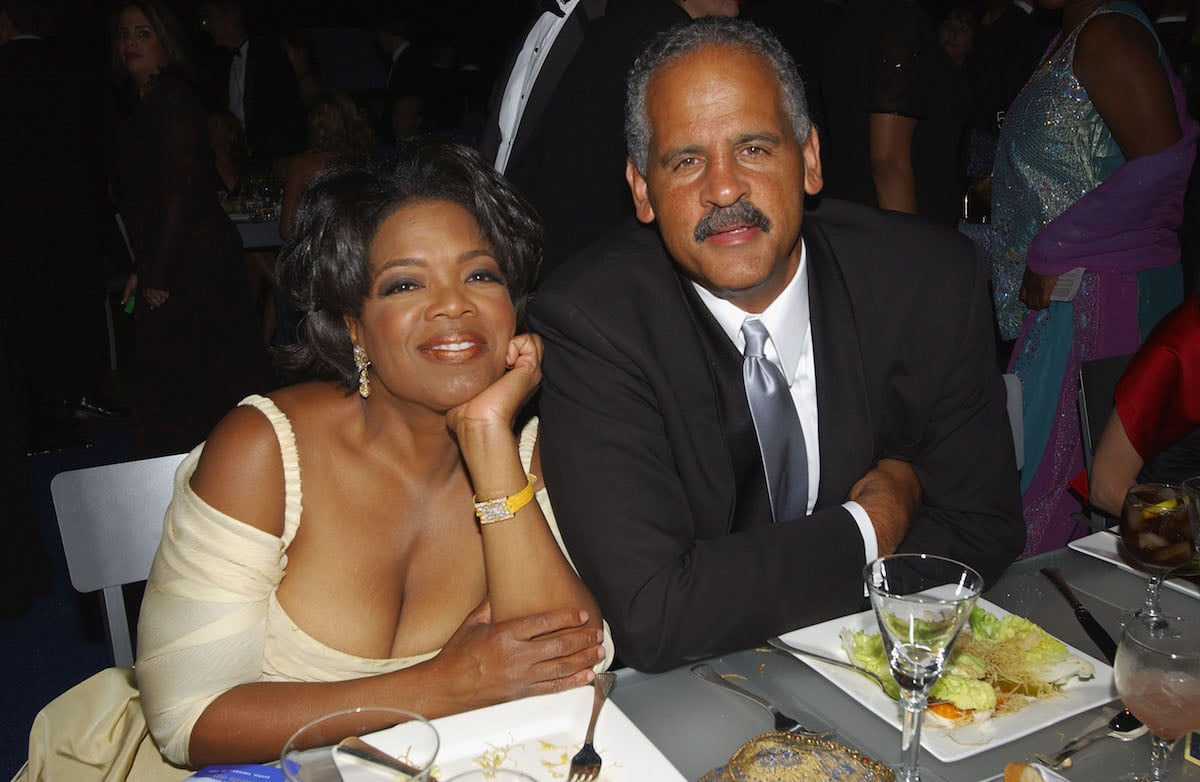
(1158, 397)
(199, 353)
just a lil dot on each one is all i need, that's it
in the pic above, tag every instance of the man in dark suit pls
(878, 323)
(530, 76)
(258, 84)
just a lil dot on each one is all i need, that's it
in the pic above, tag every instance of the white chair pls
(110, 519)
(1014, 402)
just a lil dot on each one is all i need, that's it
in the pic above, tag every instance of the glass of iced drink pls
(1156, 532)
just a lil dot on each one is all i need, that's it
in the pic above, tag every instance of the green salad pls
(998, 664)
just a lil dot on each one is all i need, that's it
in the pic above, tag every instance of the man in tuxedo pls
(257, 83)
(531, 75)
(697, 533)
(581, 130)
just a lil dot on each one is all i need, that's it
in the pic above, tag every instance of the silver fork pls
(585, 766)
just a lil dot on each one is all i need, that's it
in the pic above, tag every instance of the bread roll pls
(1022, 772)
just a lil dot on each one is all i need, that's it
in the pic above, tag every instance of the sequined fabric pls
(1064, 198)
(1053, 148)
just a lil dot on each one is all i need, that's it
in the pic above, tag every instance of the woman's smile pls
(454, 347)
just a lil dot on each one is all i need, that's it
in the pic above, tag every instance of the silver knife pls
(783, 722)
(1099, 636)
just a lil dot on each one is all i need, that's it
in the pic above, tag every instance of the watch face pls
(491, 511)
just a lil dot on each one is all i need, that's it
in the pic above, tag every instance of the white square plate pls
(539, 735)
(1104, 545)
(1077, 696)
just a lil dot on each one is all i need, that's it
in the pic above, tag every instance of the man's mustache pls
(723, 217)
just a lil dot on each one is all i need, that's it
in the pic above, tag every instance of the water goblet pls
(1157, 672)
(362, 744)
(921, 603)
(1157, 534)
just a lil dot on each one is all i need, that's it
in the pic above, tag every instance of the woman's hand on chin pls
(485, 663)
(498, 404)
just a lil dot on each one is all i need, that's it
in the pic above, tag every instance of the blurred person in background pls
(297, 44)
(337, 129)
(257, 82)
(1153, 432)
(198, 349)
(896, 106)
(1090, 174)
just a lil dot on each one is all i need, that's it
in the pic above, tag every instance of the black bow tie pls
(550, 7)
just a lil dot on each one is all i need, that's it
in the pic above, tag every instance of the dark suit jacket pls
(276, 120)
(566, 44)
(653, 466)
(576, 173)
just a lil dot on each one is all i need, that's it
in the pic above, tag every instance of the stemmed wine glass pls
(1157, 671)
(921, 603)
(1157, 533)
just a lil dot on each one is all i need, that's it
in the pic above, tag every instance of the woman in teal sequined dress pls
(1090, 171)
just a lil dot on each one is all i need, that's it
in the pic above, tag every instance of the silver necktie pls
(780, 435)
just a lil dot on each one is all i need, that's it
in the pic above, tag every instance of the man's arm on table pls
(673, 587)
(971, 506)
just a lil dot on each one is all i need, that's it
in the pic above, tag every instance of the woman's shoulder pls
(1119, 29)
(240, 467)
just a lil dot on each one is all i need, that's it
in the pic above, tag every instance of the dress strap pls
(291, 462)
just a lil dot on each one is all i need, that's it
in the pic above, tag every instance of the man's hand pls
(1036, 289)
(889, 493)
(485, 663)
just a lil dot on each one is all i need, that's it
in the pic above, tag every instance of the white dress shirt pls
(524, 74)
(790, 349)
(237, 82)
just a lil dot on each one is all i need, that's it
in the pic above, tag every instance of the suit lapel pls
(843, 413)
(566, 44)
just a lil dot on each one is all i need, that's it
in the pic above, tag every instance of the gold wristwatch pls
(502, 508)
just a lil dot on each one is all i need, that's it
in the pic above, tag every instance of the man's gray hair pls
(688, 37)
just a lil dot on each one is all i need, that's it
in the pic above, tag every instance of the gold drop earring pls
(362, 364)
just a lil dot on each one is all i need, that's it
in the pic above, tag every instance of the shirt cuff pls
(870, 542)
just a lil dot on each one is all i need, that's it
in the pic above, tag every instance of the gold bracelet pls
(502, 508)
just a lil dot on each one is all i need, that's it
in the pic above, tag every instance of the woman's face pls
(138, 46)
(438, 318)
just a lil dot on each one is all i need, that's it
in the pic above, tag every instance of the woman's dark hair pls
(325, 269)
(170, 36)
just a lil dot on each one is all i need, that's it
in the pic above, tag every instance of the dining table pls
(259, 235)
(697, 726)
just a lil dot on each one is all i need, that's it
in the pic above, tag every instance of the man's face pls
(725, 177)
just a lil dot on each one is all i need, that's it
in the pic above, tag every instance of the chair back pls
(1097, 383)
(1014, 404)
(110, 519)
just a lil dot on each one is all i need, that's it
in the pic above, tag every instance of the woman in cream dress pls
(269, 606)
